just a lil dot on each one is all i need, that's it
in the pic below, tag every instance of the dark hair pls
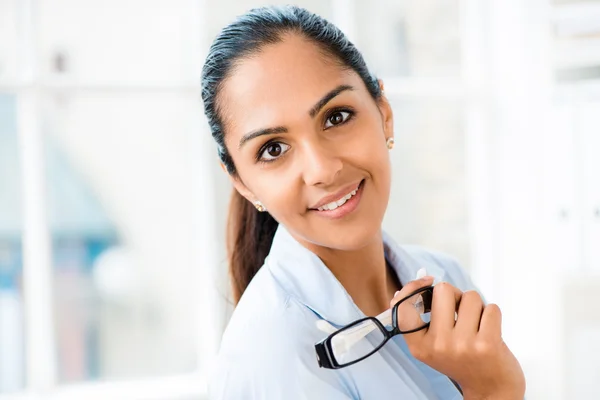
(250, 233)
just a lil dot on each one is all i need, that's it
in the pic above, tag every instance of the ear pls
(242, 189)
(387, 114)
(239, 185)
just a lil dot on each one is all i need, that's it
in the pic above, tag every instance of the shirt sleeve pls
(253, 381)
(276, 360)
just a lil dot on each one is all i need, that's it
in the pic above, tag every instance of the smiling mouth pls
(341, 201)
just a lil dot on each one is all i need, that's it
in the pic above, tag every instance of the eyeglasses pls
(364, 337)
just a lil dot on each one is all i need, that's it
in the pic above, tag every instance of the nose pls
(321, 165)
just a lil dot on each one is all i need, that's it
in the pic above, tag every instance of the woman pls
(304, 131)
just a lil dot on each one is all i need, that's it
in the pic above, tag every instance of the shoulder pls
(267, 350)
(450, 270)
(265, 310)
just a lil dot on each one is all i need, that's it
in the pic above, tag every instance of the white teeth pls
(335, 204)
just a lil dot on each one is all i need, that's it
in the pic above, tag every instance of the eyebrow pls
(312, 112)
(267, 131)
(327, 98)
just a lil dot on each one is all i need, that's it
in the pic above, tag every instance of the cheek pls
(370, 150)
(279, 193)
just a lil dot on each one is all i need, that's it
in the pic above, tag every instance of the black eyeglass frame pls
(324, 350)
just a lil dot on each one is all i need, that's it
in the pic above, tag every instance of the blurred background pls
(112, 204)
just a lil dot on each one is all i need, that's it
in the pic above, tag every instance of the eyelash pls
(351, 114)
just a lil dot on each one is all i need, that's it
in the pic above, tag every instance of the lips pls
(343, 207)
(338, 203)
(337, 199)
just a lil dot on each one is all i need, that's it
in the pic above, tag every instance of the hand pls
(468, 348)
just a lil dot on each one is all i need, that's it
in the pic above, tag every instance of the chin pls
(350, 232)
(354, 239)
(349, 237)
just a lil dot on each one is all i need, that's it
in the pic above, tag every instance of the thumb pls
(411, 287)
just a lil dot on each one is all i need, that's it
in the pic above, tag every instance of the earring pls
(390, 143)
(259, 206)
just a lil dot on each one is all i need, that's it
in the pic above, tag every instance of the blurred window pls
(120, 204)
(12, 363)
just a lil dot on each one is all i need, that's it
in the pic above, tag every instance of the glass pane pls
(356, 342)
(120, 209)
(8, 39)
(11, 296)
(415, 311)
(409, 37)
(428, 201)
(120, 41)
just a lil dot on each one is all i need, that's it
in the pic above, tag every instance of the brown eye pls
(337, 118)
(273, 151)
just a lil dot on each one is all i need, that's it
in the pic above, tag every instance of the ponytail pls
(249, 237)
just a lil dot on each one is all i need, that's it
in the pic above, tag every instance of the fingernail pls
(396, 294)
(426, 278)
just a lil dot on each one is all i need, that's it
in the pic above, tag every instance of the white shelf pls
(576, 12)
(588, 90)
(577, 53)
(576, 35)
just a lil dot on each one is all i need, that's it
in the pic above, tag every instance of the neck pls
(363, 273)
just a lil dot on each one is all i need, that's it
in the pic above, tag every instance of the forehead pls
(281, 80)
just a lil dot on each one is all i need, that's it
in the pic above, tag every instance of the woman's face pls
(309, 142)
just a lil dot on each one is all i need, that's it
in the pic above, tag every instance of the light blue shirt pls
(268, 352)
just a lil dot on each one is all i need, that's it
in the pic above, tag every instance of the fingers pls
(469, 313)
(446, 299)
(411, 287)
(491, 321)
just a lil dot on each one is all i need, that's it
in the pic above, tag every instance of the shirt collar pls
(307, 280)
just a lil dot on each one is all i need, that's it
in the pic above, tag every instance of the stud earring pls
(259, 206)
(390, 143)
